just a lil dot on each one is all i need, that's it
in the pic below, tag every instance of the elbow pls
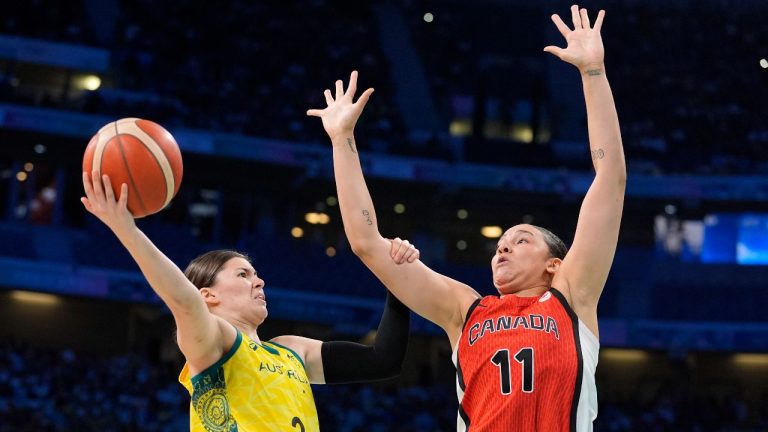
(389, 369)
(621, 177)
(363, 248)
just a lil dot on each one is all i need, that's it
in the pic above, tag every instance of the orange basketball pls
(141, 154)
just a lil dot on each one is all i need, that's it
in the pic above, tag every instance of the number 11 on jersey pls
(525, 358)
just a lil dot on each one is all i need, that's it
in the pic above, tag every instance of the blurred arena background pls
(472, 129)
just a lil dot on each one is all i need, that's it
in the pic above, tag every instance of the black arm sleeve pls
(347, 362)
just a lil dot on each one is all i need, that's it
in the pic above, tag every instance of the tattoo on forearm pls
(367, 217)
(351, 144)
(594, 72)
(597, 154)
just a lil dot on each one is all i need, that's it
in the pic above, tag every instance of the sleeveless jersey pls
(525, 364)
(253, 387)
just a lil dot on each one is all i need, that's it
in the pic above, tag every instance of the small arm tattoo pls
(597, 154)
(367, 217)
(351, 144)
(594, 72)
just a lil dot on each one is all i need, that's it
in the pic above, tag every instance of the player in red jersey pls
(525, 359)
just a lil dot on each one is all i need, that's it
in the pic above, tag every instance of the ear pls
(553, 265)
(210, 296)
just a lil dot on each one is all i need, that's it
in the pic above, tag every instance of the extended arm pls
(585, 269)
(440, 299)
(199, 333)
(339, 362)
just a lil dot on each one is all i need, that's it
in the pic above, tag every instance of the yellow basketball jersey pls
(254, 387)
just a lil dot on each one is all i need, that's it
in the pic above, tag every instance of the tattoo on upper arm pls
(594, 72)
(367, 217)
(351, 144)
(597, 154)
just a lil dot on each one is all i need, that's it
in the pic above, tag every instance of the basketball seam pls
(128, 170)
(156, 150)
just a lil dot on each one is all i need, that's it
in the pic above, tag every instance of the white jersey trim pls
(586, 412)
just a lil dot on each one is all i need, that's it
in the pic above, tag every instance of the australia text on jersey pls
(511, 322)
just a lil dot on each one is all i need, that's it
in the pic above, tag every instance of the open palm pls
(585, 45)
(342, 113)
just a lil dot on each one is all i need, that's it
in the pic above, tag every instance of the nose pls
(258, 282)
(502, 249)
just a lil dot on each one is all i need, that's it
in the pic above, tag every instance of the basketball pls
(141, 154)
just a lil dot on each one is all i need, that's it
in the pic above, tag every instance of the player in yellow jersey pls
(238, 382)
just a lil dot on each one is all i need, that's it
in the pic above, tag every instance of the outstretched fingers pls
(599, 20)
(352, 88)
(564, 30)
(584, 18)
(339, 89)
(576, 17)
(364, 98)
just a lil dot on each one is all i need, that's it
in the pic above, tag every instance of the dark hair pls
(202, 270)
(557, 248)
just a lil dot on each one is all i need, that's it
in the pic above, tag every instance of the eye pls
(522, 240)
(242, 274)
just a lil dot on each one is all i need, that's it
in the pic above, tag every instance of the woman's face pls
(521, 260)
(241, 290)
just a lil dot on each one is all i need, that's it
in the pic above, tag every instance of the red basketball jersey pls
(520, 365)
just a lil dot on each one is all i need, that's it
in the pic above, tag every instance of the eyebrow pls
(514, 233)
(246, 270)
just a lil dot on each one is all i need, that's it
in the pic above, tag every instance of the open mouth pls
(260, 296)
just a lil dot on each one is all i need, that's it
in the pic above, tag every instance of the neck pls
(249, 329)
(534, 291)
(245, 327)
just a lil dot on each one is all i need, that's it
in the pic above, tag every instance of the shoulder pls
(301, 346)
(228, 341)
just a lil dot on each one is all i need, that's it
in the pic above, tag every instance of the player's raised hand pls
(585, 45)
(341, 114)
(100, 201)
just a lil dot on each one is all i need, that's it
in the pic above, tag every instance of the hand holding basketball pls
(100, 201)
(141, 154)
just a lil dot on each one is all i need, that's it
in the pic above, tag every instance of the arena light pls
(428, 17)
(399, 208)
(330, 251)
(460, 127)
(623, 355)
(522, 133)
(316, 218)
(764, 63)
(491, 231)
(297, 232)
(751, 360)
(88, 82)
(35, 298)
(461, 245)
(462, 214)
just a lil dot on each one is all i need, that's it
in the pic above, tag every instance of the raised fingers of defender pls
(561, 26)
(403, 251)
(352, 88)
(576, 17)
